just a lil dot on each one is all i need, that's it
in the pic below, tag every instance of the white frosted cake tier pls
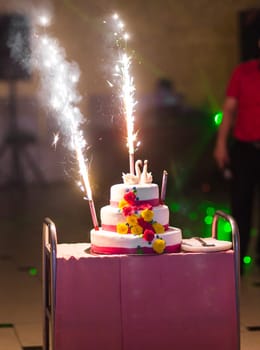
(135, 222)
(111, 216)
(145, 192)
(106, 242)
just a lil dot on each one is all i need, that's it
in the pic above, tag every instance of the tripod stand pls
(17, 141)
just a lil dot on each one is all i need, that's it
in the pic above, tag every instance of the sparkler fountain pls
(58, 79)
(136, 220)
(127, 88)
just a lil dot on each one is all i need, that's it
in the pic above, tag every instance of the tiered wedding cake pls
(136, 221)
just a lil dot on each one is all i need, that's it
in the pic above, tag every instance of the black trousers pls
(245, 189)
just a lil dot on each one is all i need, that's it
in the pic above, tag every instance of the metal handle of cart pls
(49, 245)
(236, 247)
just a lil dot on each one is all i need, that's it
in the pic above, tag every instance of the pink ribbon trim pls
(112, 228)
(153, 202)
(146, 250)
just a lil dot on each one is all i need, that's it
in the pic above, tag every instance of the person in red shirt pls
(241, 114)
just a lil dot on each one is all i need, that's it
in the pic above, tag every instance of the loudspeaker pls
(249, 21)
(14, 47)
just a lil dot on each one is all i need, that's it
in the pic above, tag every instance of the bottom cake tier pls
(106, 242)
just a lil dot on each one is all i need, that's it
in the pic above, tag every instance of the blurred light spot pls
(227, 227)
(33, 271)
(208, 220)
(247, 260)
(218, 118)
(224, 230)
(174, 206)
(253, 232)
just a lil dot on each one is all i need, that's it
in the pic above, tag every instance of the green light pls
(174, 207)
(208, 220)
(247, 260)
(218, 118)
(224, 230)
(227, 227)
(210, 211)
(33, 271)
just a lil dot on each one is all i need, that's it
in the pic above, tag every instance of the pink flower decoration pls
(147, 206)
(145, 225)
(135, 208)
(130, 197)
(128, 210)
(148, 235)
(144, 206)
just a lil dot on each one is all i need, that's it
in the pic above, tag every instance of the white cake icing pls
(144, 192)
(106, 239)
(135, 222)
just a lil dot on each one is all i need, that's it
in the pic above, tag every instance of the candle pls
(93, 214)
(164, 185)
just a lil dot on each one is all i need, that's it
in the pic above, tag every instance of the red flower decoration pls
(127, 211)
(143, 206)
(145, 225)
(135, 208)
(130, 197)
(148, 235)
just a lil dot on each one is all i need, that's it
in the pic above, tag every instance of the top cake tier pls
(144, 193)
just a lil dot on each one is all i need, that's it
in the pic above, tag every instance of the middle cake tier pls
(111, 216)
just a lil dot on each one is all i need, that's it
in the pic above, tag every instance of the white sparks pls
(56, 138)
(81, 187)
(58, 78)
(44, 20)
(126, 36)
(127, 88)
(109, 83)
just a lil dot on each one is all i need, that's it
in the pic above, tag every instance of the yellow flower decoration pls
(158, 228)
(136, 230)
(131, 220)
(123, 203)
(159, 245)
(147, 215)
(121, 228)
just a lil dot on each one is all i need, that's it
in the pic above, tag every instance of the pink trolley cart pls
(176, 301)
